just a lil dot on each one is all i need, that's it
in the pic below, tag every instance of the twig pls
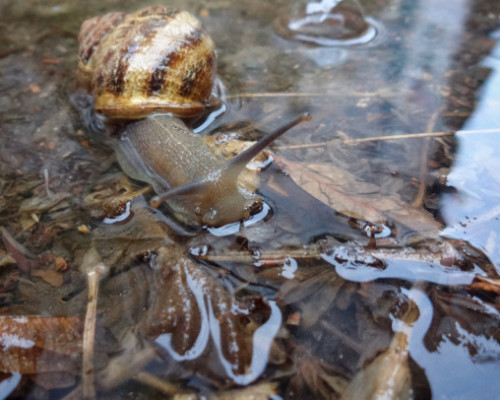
(419, 200)
(349, 142)
(297, 94)
(46, 179)
(157, 383)
(261, 123)
(266, 258)
(400, 137)
(94, 276)
(343, 337)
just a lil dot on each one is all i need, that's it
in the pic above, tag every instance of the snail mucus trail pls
(156, 65)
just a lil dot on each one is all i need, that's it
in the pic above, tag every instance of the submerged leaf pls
(23, 257)
(50, 276)
(348, 195)
(31, 345)
(112, 195)
(39, 205)
(191, 309)
(315, 376)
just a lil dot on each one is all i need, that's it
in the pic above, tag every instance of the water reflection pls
(8, 385)
(329, 23)
(472, 214)
(450, 370)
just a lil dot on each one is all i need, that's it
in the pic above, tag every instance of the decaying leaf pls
(55, 380)
(6, 259)
(319, 287)
(24, 258)
(119, 244)
(134, 356)
(315, 376)
(112, 195)
(38, 205)
(197, 310)
(50, 276)
(348, 195)
(30, 345)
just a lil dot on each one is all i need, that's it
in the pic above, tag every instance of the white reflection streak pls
(450, 370)
(289, 268)
(8, 340)
(262, 340)
(234, 227)
(418, 329)
(8, 385)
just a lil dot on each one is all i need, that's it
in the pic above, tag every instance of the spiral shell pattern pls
(158, 59)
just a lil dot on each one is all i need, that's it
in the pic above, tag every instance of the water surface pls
(373, 267)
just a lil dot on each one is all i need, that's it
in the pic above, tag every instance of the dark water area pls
(370, 269)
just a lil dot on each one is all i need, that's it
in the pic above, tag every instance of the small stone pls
(83, 229)
(35, 89)
(61, 264)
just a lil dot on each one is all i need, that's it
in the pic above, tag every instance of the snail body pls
(163, 152)
(160, 59)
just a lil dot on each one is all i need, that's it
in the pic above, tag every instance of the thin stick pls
(88, 381)
(296, 94)
(157, 383)
(399, 137)
(419, 200)
(343, 337)
(46, 179)
(350, 142)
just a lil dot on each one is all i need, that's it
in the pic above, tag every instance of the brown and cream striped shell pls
(158, 59)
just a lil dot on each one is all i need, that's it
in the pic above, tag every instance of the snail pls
(161, 60)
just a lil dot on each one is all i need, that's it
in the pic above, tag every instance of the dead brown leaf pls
(55, 380)
(486, 284)
(315, 376)
(50, 276)
(112, 195)
(30, 345)
(198, 310)
(349, 195)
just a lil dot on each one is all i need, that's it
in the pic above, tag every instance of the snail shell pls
(158, 59)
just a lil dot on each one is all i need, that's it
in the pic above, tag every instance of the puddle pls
(376, 248)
